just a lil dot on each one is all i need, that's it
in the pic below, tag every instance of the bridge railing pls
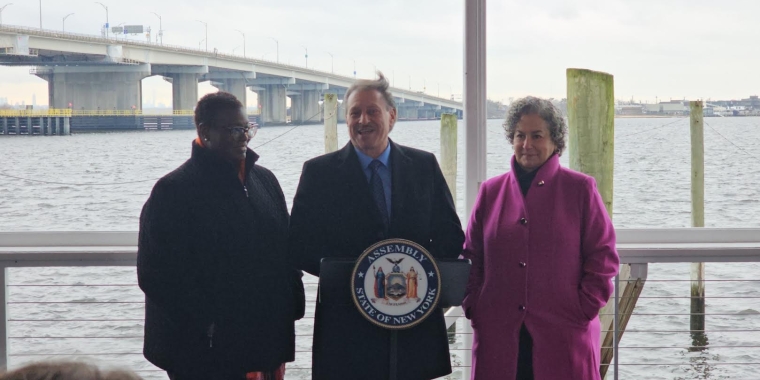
(95, 309)
(52, 112)
(185, 49)
(103, 40)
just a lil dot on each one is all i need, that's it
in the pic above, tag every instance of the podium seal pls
(396, 284)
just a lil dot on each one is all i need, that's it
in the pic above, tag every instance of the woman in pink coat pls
(543, 255)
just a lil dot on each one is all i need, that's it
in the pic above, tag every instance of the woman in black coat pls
(221, 300)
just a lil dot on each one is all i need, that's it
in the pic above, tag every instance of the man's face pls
(370, 119)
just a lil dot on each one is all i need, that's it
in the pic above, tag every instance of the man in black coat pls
(370, 190)
(221, 299)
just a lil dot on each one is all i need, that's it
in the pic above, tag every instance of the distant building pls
(751, 102)
(629, 109)
(673, 107)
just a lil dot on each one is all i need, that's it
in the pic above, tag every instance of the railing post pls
(697, 318)
(4, 318)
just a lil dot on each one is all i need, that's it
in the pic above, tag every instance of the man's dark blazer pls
(334, 215)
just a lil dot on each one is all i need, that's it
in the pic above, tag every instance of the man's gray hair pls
(380, 85)
(531, 105)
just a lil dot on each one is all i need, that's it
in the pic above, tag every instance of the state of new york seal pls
(396, 284)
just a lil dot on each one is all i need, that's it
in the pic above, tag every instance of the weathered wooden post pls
(449, 169)
(591, 123)
(330, 115)
(449, 151)
(697, 213)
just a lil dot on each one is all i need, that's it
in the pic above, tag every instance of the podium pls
(335, 281)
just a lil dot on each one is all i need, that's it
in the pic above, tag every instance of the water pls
(651, 190)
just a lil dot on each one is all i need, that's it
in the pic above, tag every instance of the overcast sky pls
(654, 48)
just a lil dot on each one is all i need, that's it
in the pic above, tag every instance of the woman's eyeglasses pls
(249, 130)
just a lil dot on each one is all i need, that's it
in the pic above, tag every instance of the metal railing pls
(665, 302)
(88, 313)
(52, 112)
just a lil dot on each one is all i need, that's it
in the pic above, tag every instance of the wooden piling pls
(591, 119)
(449, 168)
(697, 318)
(449, 151)
(330, 116)
(591, 122)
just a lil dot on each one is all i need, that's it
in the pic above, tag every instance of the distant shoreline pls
(645, 116)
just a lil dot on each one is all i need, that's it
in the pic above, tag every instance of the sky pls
(656, 49)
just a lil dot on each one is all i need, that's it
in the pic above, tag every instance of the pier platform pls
(61, 122)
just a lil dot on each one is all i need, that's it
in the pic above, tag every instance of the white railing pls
(639, 247)
(648, 249)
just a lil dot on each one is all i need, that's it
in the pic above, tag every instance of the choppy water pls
(651, 190)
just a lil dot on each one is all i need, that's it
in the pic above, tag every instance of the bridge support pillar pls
(235, 87)
(273, 101)
(184, 91)
(5, 126)
(95, 87)
(408, 113)
(305, 108)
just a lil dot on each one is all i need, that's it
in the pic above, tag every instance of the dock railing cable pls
(81, 312)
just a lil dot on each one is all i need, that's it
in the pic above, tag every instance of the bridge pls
(87, 72)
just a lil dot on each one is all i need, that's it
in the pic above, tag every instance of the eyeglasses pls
(249, 130)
